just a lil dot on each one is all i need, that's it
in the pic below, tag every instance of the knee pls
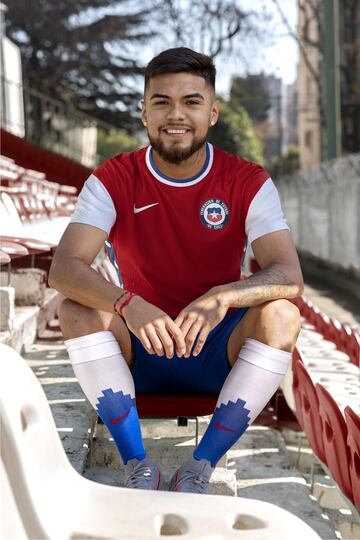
(73, 315)
(282, 317)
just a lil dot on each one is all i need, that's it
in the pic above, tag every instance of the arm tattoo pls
(268, 284)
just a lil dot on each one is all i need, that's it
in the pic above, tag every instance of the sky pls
(279, 57)
(276, 54)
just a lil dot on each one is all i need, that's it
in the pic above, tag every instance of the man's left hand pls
(199, 318)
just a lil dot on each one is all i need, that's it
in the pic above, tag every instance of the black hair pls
(182, 60)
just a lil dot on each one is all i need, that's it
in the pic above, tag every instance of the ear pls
(143, 113)
(215, 111)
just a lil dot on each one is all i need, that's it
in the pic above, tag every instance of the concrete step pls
(31, 321)
(73, 415)
(265, 470)
(164, 427)
(167, 452)
(166, 443)
(24, 328)
(222, 482)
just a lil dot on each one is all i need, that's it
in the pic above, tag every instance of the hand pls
(200, 317)
(155, 329)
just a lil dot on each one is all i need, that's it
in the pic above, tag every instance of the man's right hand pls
(156, 330)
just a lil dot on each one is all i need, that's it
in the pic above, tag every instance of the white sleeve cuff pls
(95, 206)
(265, 214)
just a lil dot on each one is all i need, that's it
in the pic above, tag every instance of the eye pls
(161, 102)
(193, 102)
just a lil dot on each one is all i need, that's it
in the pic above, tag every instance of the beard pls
(176, 154)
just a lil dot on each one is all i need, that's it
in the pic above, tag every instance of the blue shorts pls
(202, 374)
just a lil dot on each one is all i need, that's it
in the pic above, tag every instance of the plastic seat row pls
(345, 338)
(17, 239)
(330, 417)
(33, 214)
(323, 390)
(40, 192)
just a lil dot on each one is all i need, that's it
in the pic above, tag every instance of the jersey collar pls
(186, 181)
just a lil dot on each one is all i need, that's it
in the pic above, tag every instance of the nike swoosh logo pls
(115, 420)
(220, 426)
(142, 208)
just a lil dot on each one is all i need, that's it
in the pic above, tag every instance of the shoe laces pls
(139, 474)
(195, 477)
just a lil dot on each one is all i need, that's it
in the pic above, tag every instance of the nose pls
(176, 113)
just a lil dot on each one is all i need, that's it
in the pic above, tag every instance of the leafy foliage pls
(234, 133)
(90, 52)
(251, 92)
(65, 52)
(108, 145)
(286, 164)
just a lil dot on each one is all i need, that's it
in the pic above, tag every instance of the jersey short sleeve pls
(95, 206)
(265, 214)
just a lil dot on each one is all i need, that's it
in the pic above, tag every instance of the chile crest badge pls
(214, 214)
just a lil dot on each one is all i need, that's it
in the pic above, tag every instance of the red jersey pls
(175, 239)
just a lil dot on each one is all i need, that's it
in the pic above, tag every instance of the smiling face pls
(178, 109)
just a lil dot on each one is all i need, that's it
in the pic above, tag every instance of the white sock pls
(98, 363)
(251, 383)
(255, 376)
(107, 382)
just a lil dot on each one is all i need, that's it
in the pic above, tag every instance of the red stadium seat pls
(353, 348)
(323, 327)
(9, 171)
(254, 266)
(300, 303)
(13, 249)
(314, 317)
(33, 246)
(307, 309)
(181, 407)
(9, 214)
(20, 208)
(334, 332)
(345, 333)
(334, 433)
(4, 257)
(349, 342)
(296, 392)
(308, 404)
(163, 406)
(353, 440)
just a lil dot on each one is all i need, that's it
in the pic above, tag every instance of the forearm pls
(272, 283)
(76, 280)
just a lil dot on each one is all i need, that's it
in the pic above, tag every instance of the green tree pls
(65, 48)
(251, 92)
(110, 144)
(90, 52)
(234, 133)
(285, 164)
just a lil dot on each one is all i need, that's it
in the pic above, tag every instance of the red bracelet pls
(119, 298)
(126, 302)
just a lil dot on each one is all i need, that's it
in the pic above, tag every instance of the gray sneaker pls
(192, 477)
(143, 474)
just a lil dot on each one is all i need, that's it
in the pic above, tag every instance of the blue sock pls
(119, 414)
(107, 382)
(251, 383)
(226, 426)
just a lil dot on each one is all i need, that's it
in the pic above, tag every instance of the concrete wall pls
(322, 207)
